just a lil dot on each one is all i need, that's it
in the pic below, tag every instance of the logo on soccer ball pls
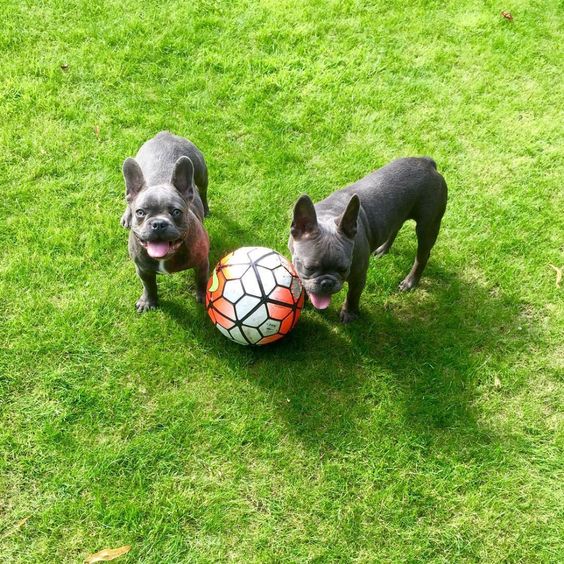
(254, 296)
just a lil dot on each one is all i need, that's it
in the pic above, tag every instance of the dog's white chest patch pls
(162, 268)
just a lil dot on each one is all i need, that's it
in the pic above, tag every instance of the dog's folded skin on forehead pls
(166, 193)
(331, 241)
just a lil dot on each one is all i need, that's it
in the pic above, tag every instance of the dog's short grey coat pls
(166, 194)
(331, 242)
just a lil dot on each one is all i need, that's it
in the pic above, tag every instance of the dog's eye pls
(140, 213)
(309, 270)
(176, 213)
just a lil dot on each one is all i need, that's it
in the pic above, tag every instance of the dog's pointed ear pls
(305, 218)
(134, 180)
(348, 221)
(183, 177)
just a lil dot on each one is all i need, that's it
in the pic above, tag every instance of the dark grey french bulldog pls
(331, 242)
(166, 192)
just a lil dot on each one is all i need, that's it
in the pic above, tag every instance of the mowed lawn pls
(429, 430)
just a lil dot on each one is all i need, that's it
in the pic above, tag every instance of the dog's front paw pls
(145, 304)
(407, 284)
(347, 316)
(126, 219)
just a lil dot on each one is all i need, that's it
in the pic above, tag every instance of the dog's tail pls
(430, 160)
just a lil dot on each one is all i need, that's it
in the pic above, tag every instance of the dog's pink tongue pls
(320, 302)
(157, 249)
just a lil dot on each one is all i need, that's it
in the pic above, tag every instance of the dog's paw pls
(381, 251)
(200, 297)
(347, 316)
(407, 284)
(145, 304)
(126, 220)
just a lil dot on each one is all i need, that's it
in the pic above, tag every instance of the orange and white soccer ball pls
(254, 296)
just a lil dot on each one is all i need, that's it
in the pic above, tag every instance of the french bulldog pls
(166, 193)
(331, 241)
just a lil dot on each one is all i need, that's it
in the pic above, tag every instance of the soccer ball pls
(254, 296)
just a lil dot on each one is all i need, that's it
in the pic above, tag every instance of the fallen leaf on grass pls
(97, 131)
(497, 382)
(507, 15)
(558, 274)
(64, 67)
(107, 554)
(16, 527)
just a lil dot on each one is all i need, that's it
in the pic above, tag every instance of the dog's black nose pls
(158, 225)
(326, 284)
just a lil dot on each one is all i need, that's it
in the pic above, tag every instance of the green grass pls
(430, 430)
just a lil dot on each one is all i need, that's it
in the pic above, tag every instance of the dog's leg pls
(383, 249)
(202, 275)
(126, 218)
(148, 299)
(357, 280)
(426, 237)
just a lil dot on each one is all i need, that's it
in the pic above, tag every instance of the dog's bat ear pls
(305, 218)
(348, 221)
(183, 177)
(133, 175)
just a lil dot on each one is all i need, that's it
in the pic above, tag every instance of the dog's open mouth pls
(161, 249)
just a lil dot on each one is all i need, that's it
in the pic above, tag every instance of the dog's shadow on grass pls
(415, 358)
(418, 357)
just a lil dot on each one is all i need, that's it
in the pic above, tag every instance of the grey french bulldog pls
(331, 241)
(166, 193)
